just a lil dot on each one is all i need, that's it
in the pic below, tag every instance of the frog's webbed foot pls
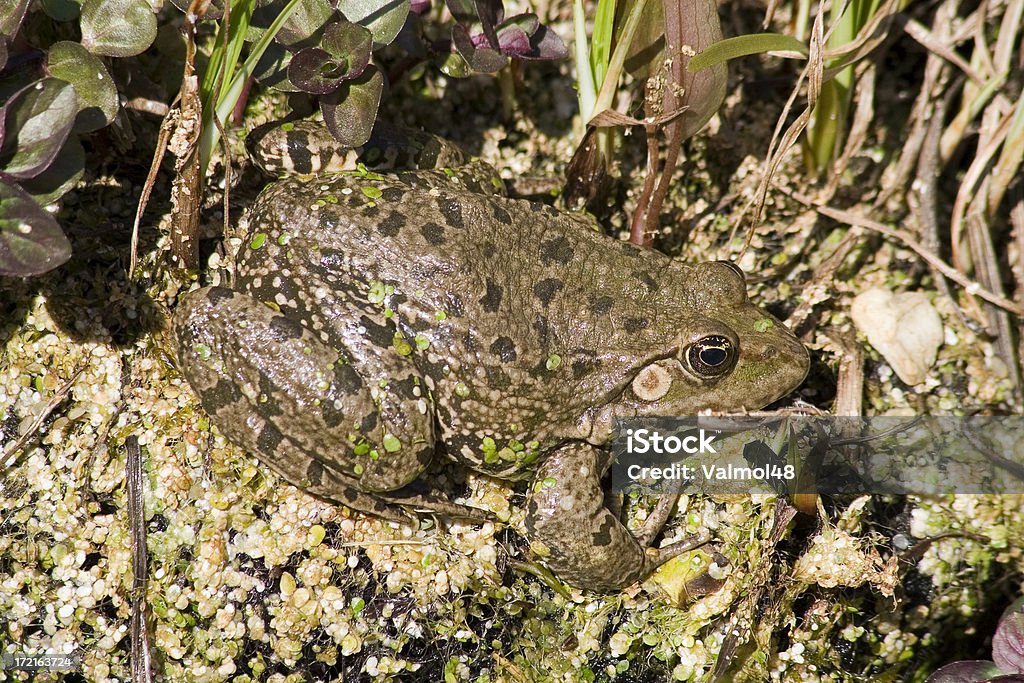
(578, 537)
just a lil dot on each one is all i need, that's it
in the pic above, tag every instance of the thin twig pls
(141, 657)
(970, 286)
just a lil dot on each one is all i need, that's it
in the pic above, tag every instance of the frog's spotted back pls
(412, 302)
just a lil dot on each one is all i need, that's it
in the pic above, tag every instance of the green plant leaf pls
(117, 28)
(97, 94)
(384, 18)
(303, 26)
(351, 110)
(61, 10)
(37, 121)
(741, 46)
(11, 16)
(31, 241)
(60, 176)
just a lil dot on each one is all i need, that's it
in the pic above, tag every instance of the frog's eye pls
(711, 356)
(734, 268)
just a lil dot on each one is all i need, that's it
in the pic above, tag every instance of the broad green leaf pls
(37, 121)
(31, 241)
(304, 24)
(384, 18)
(741, 46)
(12, 12)
(351, 110)
(60, 176)
(117, 28)
(97, 94)
(61, 10)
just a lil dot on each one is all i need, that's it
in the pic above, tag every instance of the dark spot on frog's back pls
(505, 349)
(556, 250)
(601, 304)
(224, 393)
(649, 282)
(216, 295)
(315, 473)
(392, 195)
(634, 325)
(284, 328)
(491, 300)
(501, 215)
(433, 233)
(470, 343)
(380, 335)
(546, 289)
(269, 439)
(451, 209)
(391, 224)
(603, 536)
(585, 366)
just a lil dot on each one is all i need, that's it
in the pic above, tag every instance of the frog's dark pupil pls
(711, 356)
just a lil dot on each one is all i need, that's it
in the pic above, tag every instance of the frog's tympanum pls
(375, 321)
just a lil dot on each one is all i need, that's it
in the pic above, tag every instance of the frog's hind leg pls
(577, 536)
(309, 411)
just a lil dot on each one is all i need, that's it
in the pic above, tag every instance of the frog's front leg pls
(576, 535)
(304, 408)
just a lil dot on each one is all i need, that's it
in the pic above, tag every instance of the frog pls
(378, 320)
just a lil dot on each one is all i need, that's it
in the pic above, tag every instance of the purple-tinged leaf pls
(313, 70)
(384, 18)
(37, 119)
(97, 94)
(480, 60)
(462, 10)
(513, 41)
(343, 55)
(305, 22)
(1008, 641)
(969, 671)
(351, 110)
(419, 6)
(1008, 678)
(352, 41)
(491, 12)
(117, 28)
(31, 241)
(12, 13)
(547, 45)
(60, 176)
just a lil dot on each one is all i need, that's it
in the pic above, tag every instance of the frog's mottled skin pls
(373, 318)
